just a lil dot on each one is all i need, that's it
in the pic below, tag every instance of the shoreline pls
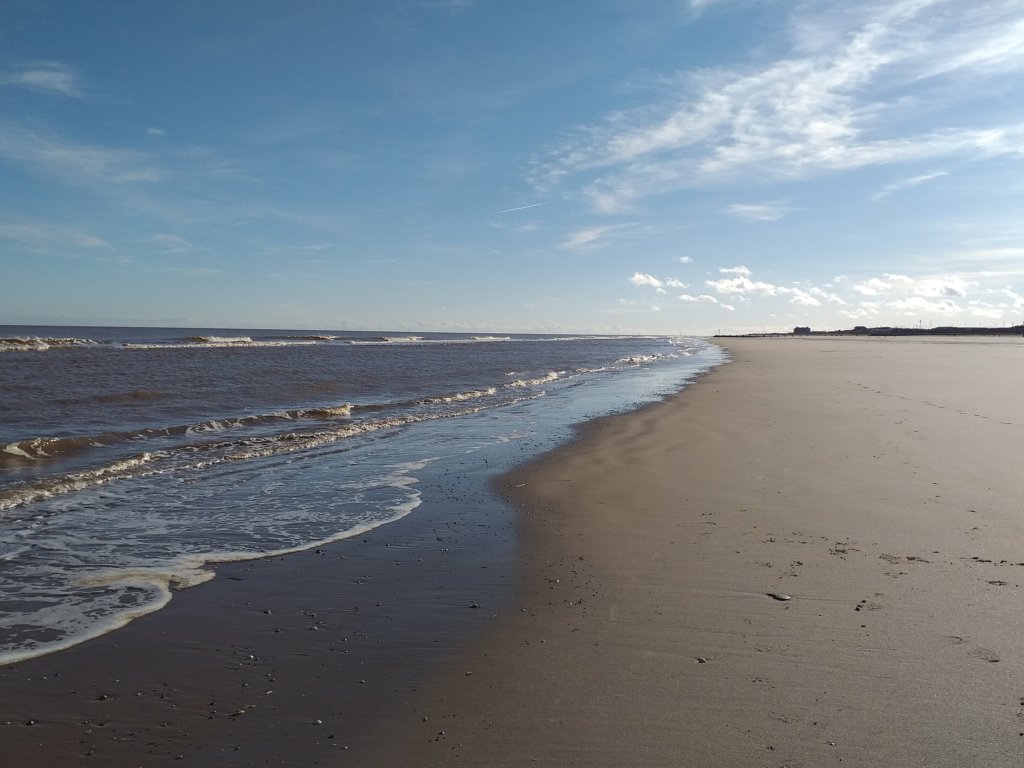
(281, 660)
(873, 485)
(285, 660)
(623, 611)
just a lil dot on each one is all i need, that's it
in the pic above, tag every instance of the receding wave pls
(204, 455)
(75, 481)
(492, 338)
(37, 449)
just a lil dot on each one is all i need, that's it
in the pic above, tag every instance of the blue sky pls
(614, 165)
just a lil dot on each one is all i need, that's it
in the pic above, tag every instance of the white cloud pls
(583, 239)
(986, 310)
(684, 259)
(640, 278)
(41, 237)
(46, 77)
(913, 181)
(757, 211)
(915, 305)
(173, 244)
(863, 312)
(872, 287)
(803, 298)
(944, 298)
(1016, 298)
(827, 293)
(703, 298)
(805, 294)
(73, 162)
(739, 270)
(832, 103)
(903, 285)
(743, 284)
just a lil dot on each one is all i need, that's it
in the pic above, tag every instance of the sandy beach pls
(811, 556)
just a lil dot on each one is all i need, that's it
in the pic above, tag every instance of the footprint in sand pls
(984, 654)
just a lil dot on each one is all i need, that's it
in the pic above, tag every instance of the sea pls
(134, 459)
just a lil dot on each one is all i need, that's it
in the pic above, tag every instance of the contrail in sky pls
(520, 208)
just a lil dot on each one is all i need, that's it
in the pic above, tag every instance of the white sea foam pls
(18, 449)
(95, 601)
(461, 396)
(535, 382)
(215, 342)
(643, 359)
(221, 339)
(387, 340)
(262, 474)
(40, 344)
(76, 481)
(205, 455)
(332, 412)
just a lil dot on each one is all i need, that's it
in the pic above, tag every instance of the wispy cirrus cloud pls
(45, 77)
(39, 237)
(590, 237)
(907, 183)
(832, 102)
(758, 211)
(174, 244)
(74, 162)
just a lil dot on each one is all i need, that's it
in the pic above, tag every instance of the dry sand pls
(877, 483)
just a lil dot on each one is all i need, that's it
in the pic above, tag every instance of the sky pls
(624, 166)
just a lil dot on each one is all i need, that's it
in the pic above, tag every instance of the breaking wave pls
(40, 344)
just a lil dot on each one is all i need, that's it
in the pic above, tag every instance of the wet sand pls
(874, 485)
(630, 613)
(290, 661)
